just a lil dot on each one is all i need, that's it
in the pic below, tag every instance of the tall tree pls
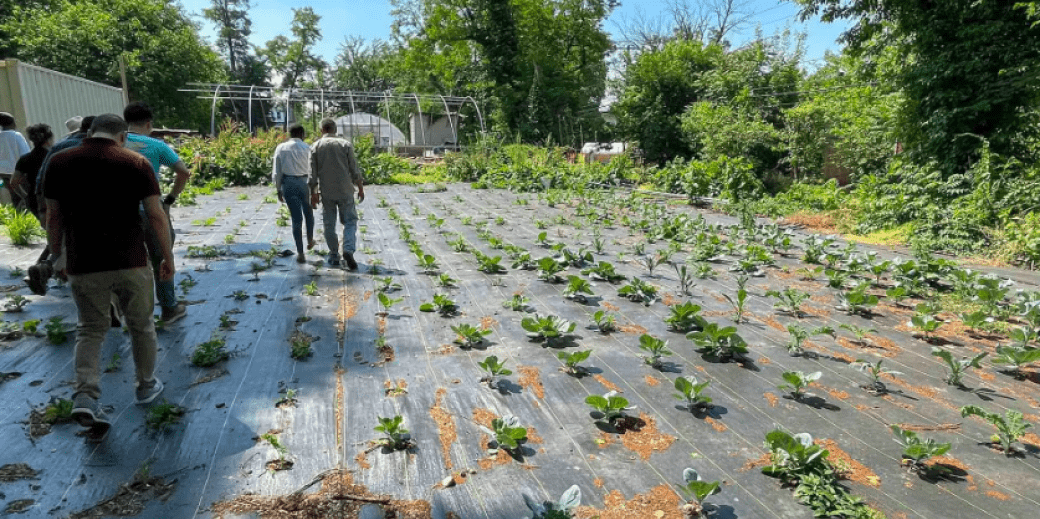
(294, 59)
(86, 38)
(234, 27)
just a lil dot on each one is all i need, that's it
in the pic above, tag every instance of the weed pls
(311, 289)
(210, 352)
(162, 416)
(58, 411)
(300, 348)
(22, 227)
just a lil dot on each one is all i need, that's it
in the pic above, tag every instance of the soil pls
(633, 329)
(531, 380)
(761, 461)
(611, 307)
(398, 389)
(484, 417)
(130, 499)
(773, 323)
(647, 438)
(487, 322)
(670, 300)
(998, 495)
(773, 400)
(445, 427)
(928, 428)
(715, 424)
(348, 306)
(851, 469)
(651, 381)
(871, 345)
(362, 460)
(661, 502)
(16, 471)
(607, 384)
(338, 497)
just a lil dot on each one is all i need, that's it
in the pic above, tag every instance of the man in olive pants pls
(334, 172)
(93, 193)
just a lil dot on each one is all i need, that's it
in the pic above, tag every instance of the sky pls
(370, 19)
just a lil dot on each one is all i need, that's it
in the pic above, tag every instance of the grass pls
(22, 227)
(895, 236)
(428, 176)
(162, 416)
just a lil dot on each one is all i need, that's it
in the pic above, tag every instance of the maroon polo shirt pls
(99, 186)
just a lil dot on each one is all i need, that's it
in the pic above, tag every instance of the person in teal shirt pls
(139, 116)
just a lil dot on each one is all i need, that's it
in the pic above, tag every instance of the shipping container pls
(38, 95)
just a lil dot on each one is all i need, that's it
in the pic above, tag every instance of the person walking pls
(12, 147)
(107, 259)
(334, 173)
(23, 182)
(139, 117)
(290, 174)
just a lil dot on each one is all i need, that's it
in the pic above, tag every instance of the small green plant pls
(1010, 427)
(796, 382)
(229, 238)
(22, 227)
(926, 323)
(283, 451)
(859, 333)
(427, 262)
(609, 408)
(226, 322)
(440, 304)
(57, 330)
(603, 271)
(549, 269)
(546, 328)
(387, 302)
(208, 353)
(685, 317)
(897, 294)
(696, 491)
(239, 295)
(383, 203)
(300, 347)
(186, 284)
(494, 369)
(604, 322)
(571, 361)
(508, 434)
(558, 510)
(792, 457)
(468, 336)
(685, 279)
(517, 303)
(1017, 357)
(208, 222)
(386, 284)
(311, 289)
(798, 336)
(639, 291)
(656, 348)
(489, 264)
(719, 342)
(789, 300)
(58, 411)
(114, 363)
(163, 416)
(445, 281)
(30, 326)
(857, 300)
(396, 435)
(874, 371)
(955, 369)
(15, 303)
(916, 452)
(576, 289)
(740, 300)
(689, 390)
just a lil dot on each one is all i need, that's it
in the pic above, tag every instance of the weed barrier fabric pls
(341, 389)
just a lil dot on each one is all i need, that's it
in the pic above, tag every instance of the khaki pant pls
(133, 293)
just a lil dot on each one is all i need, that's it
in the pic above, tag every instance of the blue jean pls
(347, 216)
(164, 289)
(298, 197)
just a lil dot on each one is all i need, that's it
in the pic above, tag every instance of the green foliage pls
(789, 300)
(577, 289)
(468, 336)
(603, 271)
(494, 368)
(388, 302)
(163, 416)
(796, 382)
(547, 328)
(685, 317)
(442, 304)
(22, 228)
(571, 360)
(719, 342)
(955, 368)
(555, 510)
(59, 411)
(610, 407)
(604, 321)
(508, 433)
(655, 348)
(208, 353)
(639, 291)
(1010, 427)
(696, 489)
(917, 451)
(517, 303)
(1017, 357)
(57, 330)
(690, 391)
(396, 435)
(233, 155)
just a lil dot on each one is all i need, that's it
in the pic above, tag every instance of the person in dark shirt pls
(24, 180)
(100, 224)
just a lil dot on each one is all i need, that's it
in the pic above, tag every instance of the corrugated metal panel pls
(51, 97)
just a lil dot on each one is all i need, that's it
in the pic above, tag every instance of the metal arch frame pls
(422, 124)
(454, 129)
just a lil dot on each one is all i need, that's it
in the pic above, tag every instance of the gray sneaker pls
(146, 394)
(173, 314)
(87, 412)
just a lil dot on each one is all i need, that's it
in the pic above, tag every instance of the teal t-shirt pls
(156, 151)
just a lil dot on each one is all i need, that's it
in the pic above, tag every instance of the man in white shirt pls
(12, 146)
(292, 167)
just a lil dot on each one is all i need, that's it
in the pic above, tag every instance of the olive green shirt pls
(334, 168)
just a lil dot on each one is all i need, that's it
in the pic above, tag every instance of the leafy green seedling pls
(300, 348)
(445, 281)
(517, 303)
(468, 336)
(860, 333)
(571, 361)
(719, 342)
(396, 435)
(576, 289)
(690, 391)
(926, 323)
(696, 491)
(604, 322)
(387, 302)
(789, 300)
(547, 328)
(427, 263)
(916, 452)
(558, 510)
(609, 408)
(489, 264)
(186, 284)
(603, 271)
(210, 352)
(494, 369)
(639, 291)
(1023, 337)
(543, 238)
(656, 348)
(857, 300)
(163, 416)
(549, 269)
(30, 326)
(440, 304)
(508, 434)
(685, 279)
(897, 294)
(1017, 357)
(1010, 427)
(311, 289)
(387, 284)
(459, 244)
(874, 371)
(685, 317)
(114, 363)
(57, 330)
(58, 411)
(794, 456)
(798, 336)
(740, 300)
(796, 382)
(15, 303)
(955, 369)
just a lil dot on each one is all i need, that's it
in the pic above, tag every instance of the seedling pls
(571, 361)
(975, 320)
(388, 302)
(543, 238)
(517, 303)
(17, 272)
(684, 318)
(860, 333)
(57, 330)
(549, 269)
(703, 271)
(799, 335)
(696, 491)
(30, 326)
(740, 300)
(523, 261)
(396, 435)
(794, 456)
(576, 289)
(508, 434)
(874, 371)
(926, 323)
(857, 300)
(789, 300)
(1017, 357)
(836, 278)
(489, 264)
(685, 279)
(656, 348)
(427, 263)
(1010, 427)
(546, 328)
(797, 382)
(603, 271)
(311, 289)
(210, 352)
(609, 408)
(558, 510)
(494, 369)
(469, 336)
(1023, 337)
(239, 295)
(651, 262)
(604, 322)
(720, 343)
(289, 400)
(689, 390)
(300, 347)
(916, 452)
(58, 411)
(445, 281)
(163, 416)
(440, 304)
(15, 303)
(114, 363)
(955, 369)
(639, 291)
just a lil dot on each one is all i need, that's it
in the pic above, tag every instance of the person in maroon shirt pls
(93, 193)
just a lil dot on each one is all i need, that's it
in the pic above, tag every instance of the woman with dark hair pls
(23, 182)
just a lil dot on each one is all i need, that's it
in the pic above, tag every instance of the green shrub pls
(233, 155)
(804, 196)
(22, 227)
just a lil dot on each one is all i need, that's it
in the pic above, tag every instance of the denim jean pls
(298, 197)
(164, 290)
(131, 290)
(347, 216)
